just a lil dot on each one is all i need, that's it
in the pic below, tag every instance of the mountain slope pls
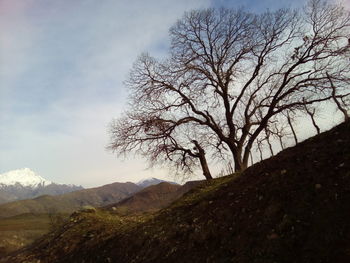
(293, 207)
(151, 198)
(67, 203)
(9, 193)
(151, 181)
(20, 230)
(26, 184)
(24, 177)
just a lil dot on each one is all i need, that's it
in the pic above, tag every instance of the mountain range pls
(25, 184)
(23, 221)
(69, 202)
(22, 192)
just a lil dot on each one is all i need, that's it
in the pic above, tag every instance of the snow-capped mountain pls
(151, 181)
(25, 177)
(25, 184)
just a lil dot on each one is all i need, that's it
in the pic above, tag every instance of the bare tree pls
(311, 112)
(161, 141)
(259, 147)
(268, 140)
(230, 73)
(290, 121)
(340, 101)
(279, 132)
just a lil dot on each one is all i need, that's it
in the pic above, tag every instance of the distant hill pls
(25, 184)
(293, 207)
(23, 229)
(70, 202)
(151, 198)
(151, 181)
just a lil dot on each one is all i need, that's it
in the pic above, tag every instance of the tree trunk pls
(251, 158)
(240, 166)
(260, 151)
(311, 113)
(292, 128)
(340, 107)
(205, 167)
(269, 144)
(281, 142)
(203, 161)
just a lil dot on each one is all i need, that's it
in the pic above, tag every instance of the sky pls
(62, 67)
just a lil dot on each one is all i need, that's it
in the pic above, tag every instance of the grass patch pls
(204, 191)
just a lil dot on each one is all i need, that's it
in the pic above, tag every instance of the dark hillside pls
(151, 198)
(294, 207)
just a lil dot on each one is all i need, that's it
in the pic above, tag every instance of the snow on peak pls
(151, 181)
(24, 177)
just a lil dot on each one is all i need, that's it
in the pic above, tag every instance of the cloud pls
(61, 73)
(61, 82)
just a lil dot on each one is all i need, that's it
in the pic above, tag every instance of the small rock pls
(318, 186)
(261, 198)
(284, 171)
(88, 209)
(273, 236)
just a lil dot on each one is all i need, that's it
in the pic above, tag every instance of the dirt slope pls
(294, 207)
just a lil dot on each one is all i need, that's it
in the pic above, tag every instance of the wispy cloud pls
(61, 72)
(62, 68)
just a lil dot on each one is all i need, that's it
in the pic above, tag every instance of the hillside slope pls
(293, 207)
(151, 198)
(69, 202)
(21, 230)
(152, 181)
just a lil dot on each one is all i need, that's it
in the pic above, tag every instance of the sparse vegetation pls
(290, 208)
(19, 231)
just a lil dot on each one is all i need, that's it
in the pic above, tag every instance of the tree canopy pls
(231, 81)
